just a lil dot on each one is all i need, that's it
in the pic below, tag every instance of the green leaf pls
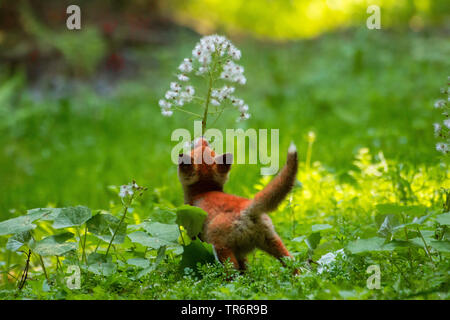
(18, 240)
(366, 245)
(320, 227)
(387, 228)
(164, 216)
(197, 252)
(139, 262)
(21, 224)
(100, 265)
(168, 232)
(48, 214)
(441, 246)
(313, 240)
(103, 226)
(444, 218)
(144, 239)
(71, 217)
(191, 218)
(54, 245)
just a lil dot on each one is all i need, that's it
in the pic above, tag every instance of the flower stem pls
(118, 227)
(208, 97)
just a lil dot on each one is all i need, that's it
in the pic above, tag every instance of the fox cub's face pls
(203, 166)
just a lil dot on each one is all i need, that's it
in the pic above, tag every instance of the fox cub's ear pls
(184, 161)
(224, 162)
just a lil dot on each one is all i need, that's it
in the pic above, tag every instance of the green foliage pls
(191, 218)
(371, 190)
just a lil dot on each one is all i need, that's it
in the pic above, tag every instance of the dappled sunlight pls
(291, 19)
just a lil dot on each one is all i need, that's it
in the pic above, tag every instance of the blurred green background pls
(79, 109)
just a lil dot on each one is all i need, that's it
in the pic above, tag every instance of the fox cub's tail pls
(271, 196)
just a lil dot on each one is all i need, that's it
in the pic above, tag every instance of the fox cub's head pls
(203, 167)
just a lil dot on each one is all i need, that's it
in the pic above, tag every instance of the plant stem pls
(425, 245)
(84, 244)
(182, 238)
(43, 267)
(208, 97)
(118, 226)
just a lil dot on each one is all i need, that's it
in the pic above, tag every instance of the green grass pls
(362, 89)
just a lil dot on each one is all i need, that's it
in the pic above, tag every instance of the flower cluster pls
(128, 190)
(442, 130)
(213, 57)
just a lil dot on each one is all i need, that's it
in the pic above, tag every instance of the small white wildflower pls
(439, 104)
(186, 66)
(164, 104)
(171, 95)
(126, 190)
(437, 129)
(183, 77)
(243, 116)
(215, 102)
(174, 86)
(243, 109)
(167, 113)
(442, 147)
(447, 123)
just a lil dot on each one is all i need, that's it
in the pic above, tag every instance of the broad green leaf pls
(139, 262)
(103, 226)
(21, 224)
(441, 246)
(18, 240)
(366, 245)
(168, 232)
(101, 265)
(191, 218)
(299, 239)
(417, 222)
(145, 271)
(164, 216)
(48, 214)
(313, 240)
(144, 239)
(197, 252)
(320, 227)
(54, 245)
(397, 244)
(387, 228)
(71, 217)
(444, 218)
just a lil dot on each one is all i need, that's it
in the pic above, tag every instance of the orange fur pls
(235, 226)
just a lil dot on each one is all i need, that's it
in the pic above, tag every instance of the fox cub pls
(235, 226)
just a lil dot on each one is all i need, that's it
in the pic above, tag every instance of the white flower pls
(437, 129)
(233, 72)
(447, 123)
(243, 116)
(183, 77)
(215, 102)
(167, 113)
(164, 104)
(442, 147)
(186, 66)
(243, 108)
(175, 86)
(126, 190)
(439, 104)
(171, 95)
